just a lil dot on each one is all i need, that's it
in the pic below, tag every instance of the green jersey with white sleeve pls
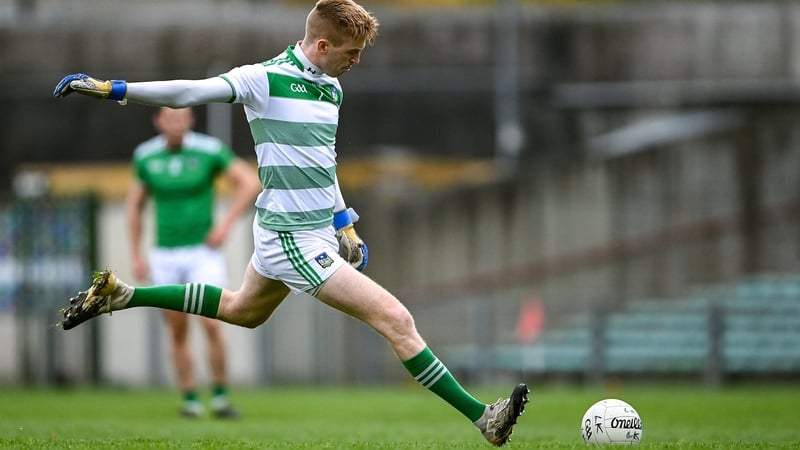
(292, 108)
(181, 183)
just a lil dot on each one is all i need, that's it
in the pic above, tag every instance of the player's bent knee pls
(400, 319)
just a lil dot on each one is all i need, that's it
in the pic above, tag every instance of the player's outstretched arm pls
(171, 93)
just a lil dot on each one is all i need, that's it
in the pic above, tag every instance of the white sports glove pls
(351, 247)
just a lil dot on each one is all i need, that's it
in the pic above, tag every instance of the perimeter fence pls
(47, 249)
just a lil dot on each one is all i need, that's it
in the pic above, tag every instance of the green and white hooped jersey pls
(293, 111)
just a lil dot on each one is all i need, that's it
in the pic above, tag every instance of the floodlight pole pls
(509, 134)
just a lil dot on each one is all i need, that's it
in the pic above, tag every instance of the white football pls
(611, 421)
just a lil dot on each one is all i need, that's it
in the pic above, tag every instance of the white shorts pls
(179, 265)
(302, 260)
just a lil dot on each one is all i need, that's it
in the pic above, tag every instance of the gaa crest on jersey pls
(323, 260)
(335, 94)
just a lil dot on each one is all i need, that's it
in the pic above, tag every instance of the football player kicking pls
(302, 223)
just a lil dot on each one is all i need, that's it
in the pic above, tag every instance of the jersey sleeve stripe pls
(233, 89)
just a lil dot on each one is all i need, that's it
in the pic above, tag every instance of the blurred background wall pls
(532, 178)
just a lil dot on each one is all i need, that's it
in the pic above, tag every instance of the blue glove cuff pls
(365, 253)
(341, 219)
(344, 218)
(118, 90)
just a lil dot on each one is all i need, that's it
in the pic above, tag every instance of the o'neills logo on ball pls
(626, 422)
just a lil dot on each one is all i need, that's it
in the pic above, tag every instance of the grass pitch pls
(402, 417)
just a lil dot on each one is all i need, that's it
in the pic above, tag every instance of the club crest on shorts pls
(323, 260)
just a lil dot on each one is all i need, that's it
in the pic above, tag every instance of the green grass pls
(403, 417)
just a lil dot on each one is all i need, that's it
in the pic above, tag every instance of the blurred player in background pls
(304, 239)
(178, 169)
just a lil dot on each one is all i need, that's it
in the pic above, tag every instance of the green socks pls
(193, 298)
(219, 391)
(190, 396)
(433, 375)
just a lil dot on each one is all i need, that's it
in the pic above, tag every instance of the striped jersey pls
(292, 108)
(181, 183)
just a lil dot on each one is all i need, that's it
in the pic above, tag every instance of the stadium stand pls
(759, 334)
